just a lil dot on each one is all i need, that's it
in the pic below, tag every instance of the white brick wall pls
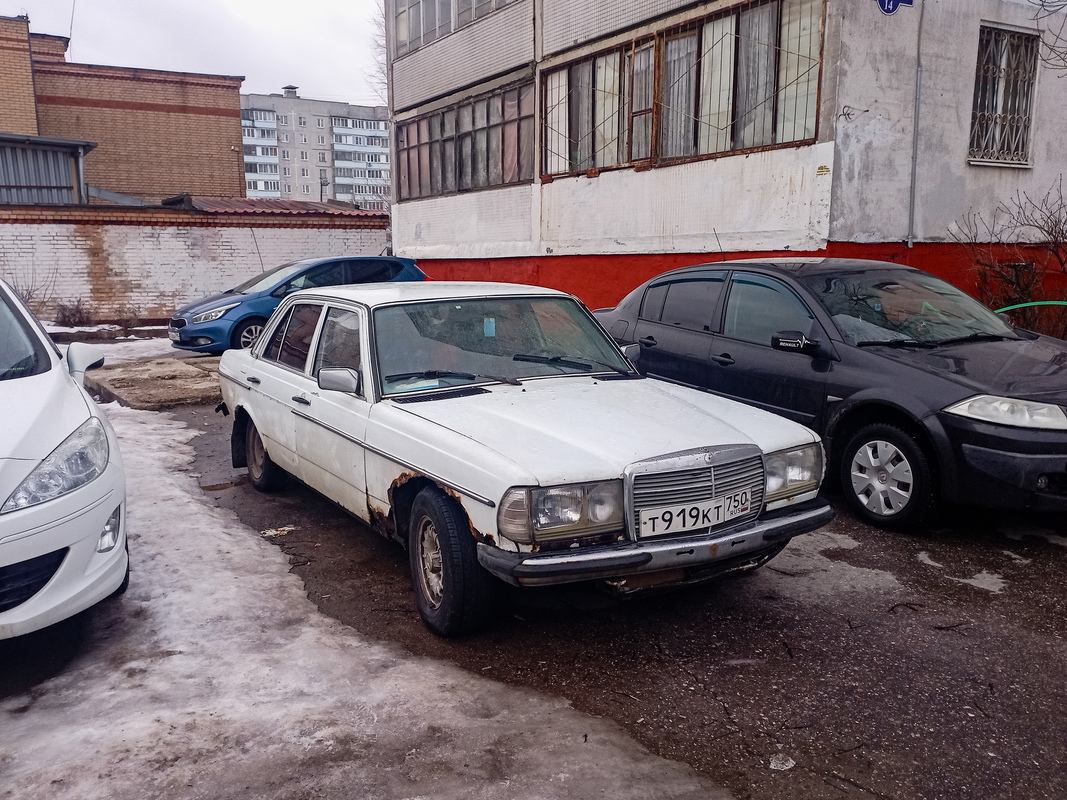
(149, 271)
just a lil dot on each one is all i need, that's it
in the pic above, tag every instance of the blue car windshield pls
(21, 352)
(899, 305)
(265, 280)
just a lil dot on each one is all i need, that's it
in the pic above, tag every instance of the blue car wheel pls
(246, 333)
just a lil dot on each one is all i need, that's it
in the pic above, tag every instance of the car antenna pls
(721, 251)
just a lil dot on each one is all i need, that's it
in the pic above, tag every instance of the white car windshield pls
(431, 345)
(21, 352)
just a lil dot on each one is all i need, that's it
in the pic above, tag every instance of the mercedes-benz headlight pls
(534, 514)
(79, 459)
(791, 473)
(214, 314)
(1009, 411)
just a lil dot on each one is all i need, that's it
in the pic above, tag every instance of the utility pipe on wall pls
(915, 131)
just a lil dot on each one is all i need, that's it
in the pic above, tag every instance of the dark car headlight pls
(1009, 411)
(539, 514)
(213, 314)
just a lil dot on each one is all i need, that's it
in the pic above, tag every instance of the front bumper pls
(204, 337)
(69, 525)
(676, 557)
(1004, 467)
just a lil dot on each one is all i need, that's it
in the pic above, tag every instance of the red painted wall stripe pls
(129, 105)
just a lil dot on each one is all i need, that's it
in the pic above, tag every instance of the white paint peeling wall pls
(777, 199)
(869, 93)
(123, 270)
(502, 41)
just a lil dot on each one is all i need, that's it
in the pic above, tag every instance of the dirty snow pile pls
(215, 676)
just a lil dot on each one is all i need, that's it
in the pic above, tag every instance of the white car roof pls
(377, 294)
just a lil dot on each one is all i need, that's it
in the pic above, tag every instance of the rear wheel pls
(246, 333)
(453, 593)
(265, 475)
(886, 477)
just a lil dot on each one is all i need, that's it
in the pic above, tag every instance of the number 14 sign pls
(890, 6)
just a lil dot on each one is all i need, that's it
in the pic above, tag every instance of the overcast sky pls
(322, 46)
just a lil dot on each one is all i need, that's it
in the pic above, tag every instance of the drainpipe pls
(915, 131)
(83, 194)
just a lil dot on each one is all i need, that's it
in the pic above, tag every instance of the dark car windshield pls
(22, 353)
(431, 345)
(903, 306)
(266, 280)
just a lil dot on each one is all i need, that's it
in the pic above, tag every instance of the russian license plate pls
(686, 517)
(174, 335)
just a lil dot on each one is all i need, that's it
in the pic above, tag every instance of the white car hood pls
(39, 413)
(571, 429)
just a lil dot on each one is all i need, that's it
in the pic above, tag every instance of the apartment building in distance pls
(302, 149)
(590, 144)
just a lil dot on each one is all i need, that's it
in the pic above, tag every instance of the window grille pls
(1003, 96)
(738, 80)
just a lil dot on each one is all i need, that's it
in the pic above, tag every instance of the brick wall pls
(159, 133)
(18, 114)
(145, 263)
(46, 47)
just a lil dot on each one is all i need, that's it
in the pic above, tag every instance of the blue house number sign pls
(890, 6)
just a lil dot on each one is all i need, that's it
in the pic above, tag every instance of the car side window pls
(374, 271)
(290, 343)
(690, 304)
(652, 303)
(760, 306)
(339, 343)
(332, 274)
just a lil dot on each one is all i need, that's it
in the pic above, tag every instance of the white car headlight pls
(789, 473)
(1009, 411)
(81, 457)
(528, 515)
(214, 314)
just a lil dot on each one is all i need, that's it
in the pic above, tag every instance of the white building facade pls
(590, 144)
(301, 149)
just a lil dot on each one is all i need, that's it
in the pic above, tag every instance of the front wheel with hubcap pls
(246, 333)
(265, 475)
(886, 477)
(452, 591)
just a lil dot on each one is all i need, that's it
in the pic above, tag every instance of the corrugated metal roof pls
(265, 206)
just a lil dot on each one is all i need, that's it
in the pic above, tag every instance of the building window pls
(288, 188)
(302, 121)
(283, 137)
(1003, 96)
(322, 140)
(320, 122)
(248, 133)
(267, 133)
(304, 172)
(250, 149)
(735, 81)
(287, 171)
(419, 22)
(303, 155)
(488, 141)
(252, 186)
(283, 119)
(322, 158)
(285, 155)
(341, 122)
(305, 189)
(303, 138)
(263, 116)
(268, 151)
(271, 186)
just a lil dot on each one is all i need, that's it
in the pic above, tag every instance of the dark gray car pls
(921, 393)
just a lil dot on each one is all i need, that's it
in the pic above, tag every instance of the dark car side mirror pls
(340, 379)
(797, 342)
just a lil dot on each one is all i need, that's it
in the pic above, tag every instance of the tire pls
(265, 475)
(246, 333)
(453, 593)
(886, 477)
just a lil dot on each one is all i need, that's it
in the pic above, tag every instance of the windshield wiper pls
(447, 373)
(976, 337)
(895, 343)
(564, 361)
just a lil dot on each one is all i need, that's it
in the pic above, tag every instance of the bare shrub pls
(73, 315)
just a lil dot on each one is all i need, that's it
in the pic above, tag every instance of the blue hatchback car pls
(235, 318)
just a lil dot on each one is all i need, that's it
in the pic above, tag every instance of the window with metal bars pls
(486, 141)
(737, 80)
(1003, 96)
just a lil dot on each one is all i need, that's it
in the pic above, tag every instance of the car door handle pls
(723, 360)
(302, 400)
(648, 341)
(253, 379)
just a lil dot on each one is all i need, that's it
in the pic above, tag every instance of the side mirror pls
(632, 352)
(82, 357)
(340, 379)
(796, 342)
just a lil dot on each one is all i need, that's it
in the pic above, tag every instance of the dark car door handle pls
(253, 379)
(648, 341)
(302, 400)
(724, 360)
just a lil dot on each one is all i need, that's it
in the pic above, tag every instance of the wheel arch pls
(238, 447)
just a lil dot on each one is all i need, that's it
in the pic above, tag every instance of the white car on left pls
(62, 486)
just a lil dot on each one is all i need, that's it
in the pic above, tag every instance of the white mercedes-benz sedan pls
(62, 488)
(499, 433)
